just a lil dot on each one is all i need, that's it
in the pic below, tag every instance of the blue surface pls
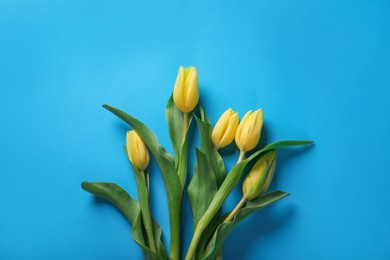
(319, 69)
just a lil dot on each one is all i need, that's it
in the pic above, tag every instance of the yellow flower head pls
(225, 129)
(259, 178)
(136, 150)
(186, 92)
(249, 130)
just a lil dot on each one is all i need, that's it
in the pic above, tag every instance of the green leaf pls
(282, 144)
(217, 164)
(235, 174)
(202, 187)
(131, 210)
(226, 188)
(207, 235)
(170, 177)
(228, 185)
(175, 119)
(175, 126)
(141, 179)
(224, 229)
(183, 163)
(207, 147)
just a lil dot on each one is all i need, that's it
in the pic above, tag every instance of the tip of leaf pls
(84, 185)
(306, 143)
(285, 194)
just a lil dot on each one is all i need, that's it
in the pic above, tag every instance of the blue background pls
(319, 69)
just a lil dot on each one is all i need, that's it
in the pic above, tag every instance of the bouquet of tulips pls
(210, 184)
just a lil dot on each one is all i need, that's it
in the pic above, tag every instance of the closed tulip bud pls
(259, 178)
(225, 129)
(186, 92)
(136, 150)
(249, 130)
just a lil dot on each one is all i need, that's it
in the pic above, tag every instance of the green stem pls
(231, 215)
(145, 213)
(175, 236)
(241, 157)
(219, 254)
(195, 240)
(234, 211)
(175, 223)
(206, 218)
(185, 127)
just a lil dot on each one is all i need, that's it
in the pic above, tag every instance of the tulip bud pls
(249, 130)
(259, 178)
(225, 129)
(136, 150)
(186, 92)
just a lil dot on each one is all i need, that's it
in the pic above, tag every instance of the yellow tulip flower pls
(225, 129)
(186, 92)
(249, 130)
(136, 150)
(259, 178)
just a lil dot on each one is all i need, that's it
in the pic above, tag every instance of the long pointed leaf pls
(143, 197)
(175, 119)
(207, 147)
(170, 177)
(218, 166)
(235, 174)
(202, 187)
(131, 210)
(228, 185)
(250, 207)
(282, 144)
(175, 126)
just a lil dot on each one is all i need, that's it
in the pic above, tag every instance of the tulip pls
(186, 92)
(259, 178)
(136, 150)
(225, 129)
(249, 130)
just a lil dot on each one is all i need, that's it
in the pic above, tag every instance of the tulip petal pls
(230, 131)
(178, 93)
(239, 132)
(136, 150)
(220, 127)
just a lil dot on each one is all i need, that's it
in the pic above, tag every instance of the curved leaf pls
(228, 185)
(206, 237)
(235, 174)
(282, 144)
(250, 207)
(131, 210)
(218, 166)
(202, 187)
(175, 119)
(226, 188)
(170, 177)
(207, 146)
(175, 126)
(141, 179)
